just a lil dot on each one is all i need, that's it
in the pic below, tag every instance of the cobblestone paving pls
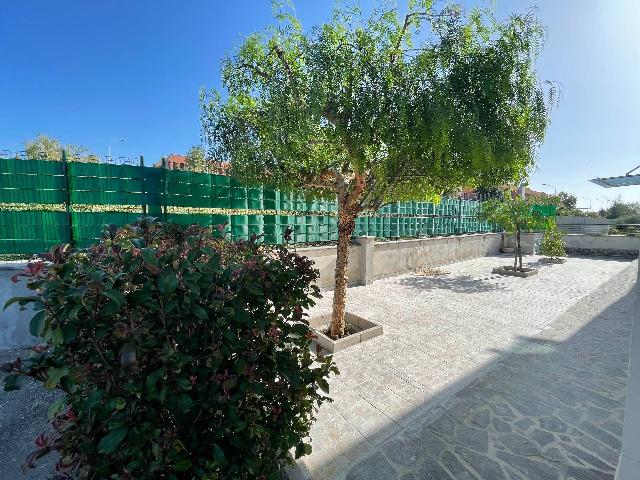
(482, 377)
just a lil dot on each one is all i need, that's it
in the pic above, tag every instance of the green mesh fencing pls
(43, 203)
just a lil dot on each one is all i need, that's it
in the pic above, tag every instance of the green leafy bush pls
(182, 355)
(552, 244)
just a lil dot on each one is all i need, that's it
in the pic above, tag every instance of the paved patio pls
(476, 377)
(480, 376)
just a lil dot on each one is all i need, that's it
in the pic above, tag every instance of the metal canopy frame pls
(622, 181)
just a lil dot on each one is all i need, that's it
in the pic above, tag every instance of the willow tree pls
(384, 108)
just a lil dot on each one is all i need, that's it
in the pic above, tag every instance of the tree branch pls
(257, 70)
(280, 54)
(407, 21)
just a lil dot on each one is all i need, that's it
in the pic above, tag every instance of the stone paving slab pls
(480, 376)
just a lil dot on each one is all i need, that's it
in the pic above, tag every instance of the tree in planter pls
(515, 215)
(382, 109)
(180, 355)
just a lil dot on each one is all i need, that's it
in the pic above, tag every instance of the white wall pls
(14, 324)
(602, 244)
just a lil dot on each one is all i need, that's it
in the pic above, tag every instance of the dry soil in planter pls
(554, 260)
(523, 272)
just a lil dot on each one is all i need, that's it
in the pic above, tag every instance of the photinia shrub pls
(182, 355)
(552, 244)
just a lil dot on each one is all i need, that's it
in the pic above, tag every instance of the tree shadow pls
(454, 283)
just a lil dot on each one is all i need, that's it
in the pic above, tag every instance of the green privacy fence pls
(43, 203)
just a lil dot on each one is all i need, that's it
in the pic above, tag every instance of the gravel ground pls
(23, 416)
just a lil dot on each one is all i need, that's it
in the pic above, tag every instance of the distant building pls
(172, 162)
(179, 162)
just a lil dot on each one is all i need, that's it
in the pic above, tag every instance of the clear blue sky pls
(91, 72)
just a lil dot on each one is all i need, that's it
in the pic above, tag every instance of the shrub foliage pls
(552, 244)
(182, 355)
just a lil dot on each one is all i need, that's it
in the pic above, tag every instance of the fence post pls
(67, 194)
(144, 189)
(165, 189)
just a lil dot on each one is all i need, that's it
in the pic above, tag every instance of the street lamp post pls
(555, 192)
(114, 141)
(589, 200)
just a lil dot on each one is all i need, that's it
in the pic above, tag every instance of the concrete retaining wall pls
(325, 261)
(607, 245)
(369, 260)
(393, 258)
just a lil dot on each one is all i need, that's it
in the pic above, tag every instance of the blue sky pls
(91, 72)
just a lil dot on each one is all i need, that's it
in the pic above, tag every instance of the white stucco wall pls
(14, 324)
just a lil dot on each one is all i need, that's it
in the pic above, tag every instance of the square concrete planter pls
(509, 270)
(367, 331)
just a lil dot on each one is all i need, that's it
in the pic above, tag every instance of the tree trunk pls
(346, 226)
(516, 250)
(519, 248)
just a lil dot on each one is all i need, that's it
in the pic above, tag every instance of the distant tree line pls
(44, 147)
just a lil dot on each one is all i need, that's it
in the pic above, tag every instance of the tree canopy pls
(410, 106)
(377, 109)
(44, 147)
(197, 159)
(619, 209)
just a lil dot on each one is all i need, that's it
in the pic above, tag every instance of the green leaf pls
(93, 399)
(69, 332)
(73, 314)
(153, 378)
(200, 312)
(57, 336)
(120, 403)
(182, 465)
(218, 455)
(21, 301)
(322, 383)
(116, 296)
(110, 441)
(167, 282)
(184, 383)
(56, 407)
(138, 242)
(37, 324)
(53, 377)
(149, 256)
(12, 382)
(185, 402)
